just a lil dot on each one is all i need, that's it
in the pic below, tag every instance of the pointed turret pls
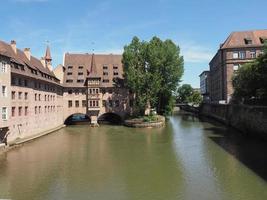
(93, 72)
(48, 58)
(48, 54)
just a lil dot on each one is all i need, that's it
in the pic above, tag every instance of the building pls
(204, 85)
(92, 86)
(238, 49)
(31, 95)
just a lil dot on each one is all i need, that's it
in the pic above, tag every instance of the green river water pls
(187, 159)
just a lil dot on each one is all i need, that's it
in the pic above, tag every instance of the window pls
(3, 67)
(76, 92)
(4, 113)
(115, 67)
(13, 95)
(35, 97)
(236, 67)
(26, 95)
(13, 81)
(39, 109)
(115, 73)
(96, 104)
(80, 67)
(69, 81)
(20, 95)
(84, 103)
(45, 109)
(105, 73)
(4, 91)
(70, 67)
(69, 73)
(26, 111)
(105, 80)
(35, 110)
(39, 97)
(80, 81)
(80, 73)
(69, 91)
(248, 41)
(253, 54)
(235, 55)
(76, 103)
(96, 91)
(105, 67)
(13, 109)
(25, 83)
(69, 104)
(242, 54)
(20, 111)
(20, 81)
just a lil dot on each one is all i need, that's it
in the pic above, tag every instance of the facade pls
(90, 86)
(31, 97)
(238, 49)
(204, 85)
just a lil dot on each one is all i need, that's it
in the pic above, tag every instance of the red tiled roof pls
(237, 39)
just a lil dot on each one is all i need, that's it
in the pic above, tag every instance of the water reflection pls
(187, 159)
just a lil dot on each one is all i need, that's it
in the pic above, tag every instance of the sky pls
(196, 26)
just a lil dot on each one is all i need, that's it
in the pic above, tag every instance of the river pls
(187, 159)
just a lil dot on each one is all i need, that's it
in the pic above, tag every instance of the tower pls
(48, 58)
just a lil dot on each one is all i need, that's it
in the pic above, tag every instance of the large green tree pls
(186, 94)
(152, 72)
(250, 81)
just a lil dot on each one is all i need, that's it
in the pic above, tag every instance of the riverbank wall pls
(250, 120)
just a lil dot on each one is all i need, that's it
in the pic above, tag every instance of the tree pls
(250, 81)
(184, 92)
(195, 98)
(152, 71)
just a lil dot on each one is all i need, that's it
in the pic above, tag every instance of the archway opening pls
(110, 118)
(78, 119)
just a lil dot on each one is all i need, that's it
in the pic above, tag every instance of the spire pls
(93, 72)
(48, 54)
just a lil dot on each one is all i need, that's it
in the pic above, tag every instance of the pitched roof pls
(237, 39)
(93, 71)
(20, 58)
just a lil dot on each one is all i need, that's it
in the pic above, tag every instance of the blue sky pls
(197, 26)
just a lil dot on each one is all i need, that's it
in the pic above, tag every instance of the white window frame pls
(4, 114)
(235, 55)
(3, 67)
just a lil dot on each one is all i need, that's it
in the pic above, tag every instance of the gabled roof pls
(237, 39)
(20, 58)
(93, 71)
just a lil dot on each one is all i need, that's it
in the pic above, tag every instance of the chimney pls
(43, 61)
(27, 52)
(14, 46)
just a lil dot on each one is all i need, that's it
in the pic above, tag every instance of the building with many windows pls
(204, 85)
(238, 49)
(31, 95)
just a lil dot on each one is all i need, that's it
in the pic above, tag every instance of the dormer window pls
(70, 67)
(248, 41)
(80, 67)
(105, 67)
(263, 40)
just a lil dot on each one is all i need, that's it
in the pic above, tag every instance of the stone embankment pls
(140, 123)
(247, 119)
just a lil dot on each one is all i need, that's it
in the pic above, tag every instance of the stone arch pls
(77, 118)
(110, 118)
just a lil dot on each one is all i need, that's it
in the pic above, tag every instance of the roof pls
(237, 39)
(92, 64)
(21, 59)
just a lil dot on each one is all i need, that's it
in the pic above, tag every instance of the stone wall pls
(247, 119)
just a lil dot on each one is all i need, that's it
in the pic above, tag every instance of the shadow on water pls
(250, 151)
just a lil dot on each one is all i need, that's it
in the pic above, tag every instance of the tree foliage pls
(152, 72)
(250, 81)
(186, 94)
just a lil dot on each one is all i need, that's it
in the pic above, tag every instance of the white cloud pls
(194, 53)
